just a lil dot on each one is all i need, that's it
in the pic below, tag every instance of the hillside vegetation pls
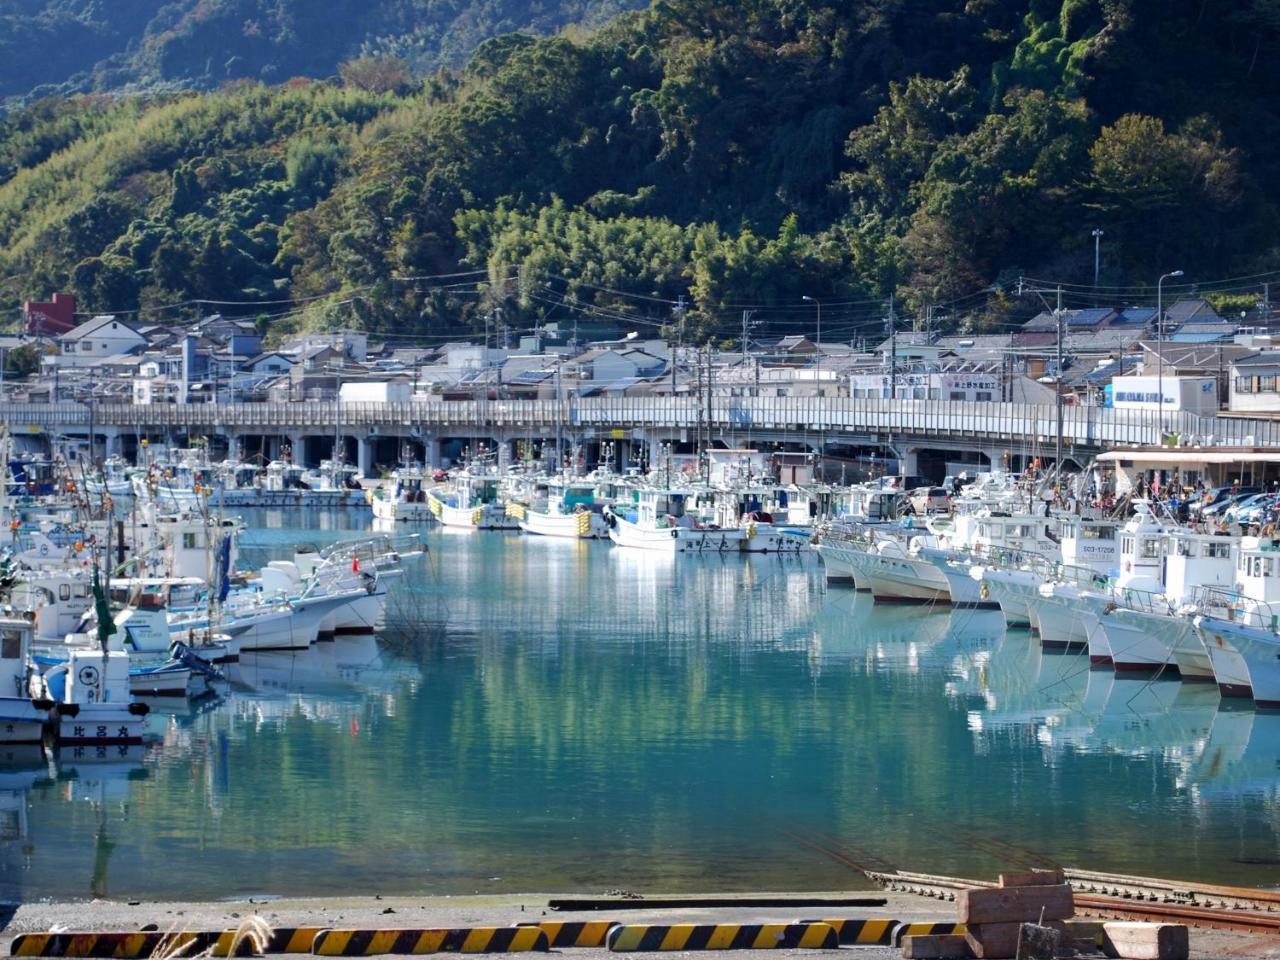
(59, 47)
(731, 153)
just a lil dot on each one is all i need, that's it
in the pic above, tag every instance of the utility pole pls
(1097, 261)
(746, 320)
(1058, 315)
(1160, 343)
(892, 322)
(678, 310)
(817, 303)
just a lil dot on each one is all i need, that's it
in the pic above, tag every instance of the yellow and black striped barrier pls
(925, 930)
(862, 933)
(570, 933)
(141, 944)
(723, 936)
(368, 943)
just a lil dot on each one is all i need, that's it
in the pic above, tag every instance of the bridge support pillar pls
(114, 446)
(364, 456)
(909, 460)
(298, 443)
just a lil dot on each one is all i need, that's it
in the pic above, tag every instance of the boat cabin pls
(1258, 569)
(16, 634)
(1142, 550)
(1194, 560)
(1090, 543)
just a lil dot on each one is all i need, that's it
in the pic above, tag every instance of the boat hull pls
(901, 579)
(584, 525)
(1229, 666)
(624, 533)
(22, 721)
(101, 724)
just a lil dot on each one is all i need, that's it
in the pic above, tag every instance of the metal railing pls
(1094, 427)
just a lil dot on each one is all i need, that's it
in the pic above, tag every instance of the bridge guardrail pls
(1090, 426)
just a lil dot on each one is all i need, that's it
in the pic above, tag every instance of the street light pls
(817, 303)
(1160, 342)
(1097, 240)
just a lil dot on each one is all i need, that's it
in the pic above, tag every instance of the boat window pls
(11, 645)
(1268, 567)
(1219, 550)
(1186, 548)
(1150, 548)
(64, 591)
(1098, 533)
(1019, 529)
(1126, 544)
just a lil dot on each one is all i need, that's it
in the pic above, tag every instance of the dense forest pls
(723, 155)
(61, 47)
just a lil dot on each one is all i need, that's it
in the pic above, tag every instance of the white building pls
(929, 385)
(1253, 383)
(1198, 395)
(94, 340)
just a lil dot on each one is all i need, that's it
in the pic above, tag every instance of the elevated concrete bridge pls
(637, 425)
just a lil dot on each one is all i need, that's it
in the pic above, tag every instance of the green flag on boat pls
(106, 625)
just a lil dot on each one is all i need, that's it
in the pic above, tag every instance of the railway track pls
(1115, 896)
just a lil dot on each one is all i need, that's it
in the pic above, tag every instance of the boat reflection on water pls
(885, 637)
(328, 682)
(1241, 756)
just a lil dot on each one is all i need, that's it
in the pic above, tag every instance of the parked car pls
(1256, 509)
(1218, 500)
(1217, 510)
(929, 500)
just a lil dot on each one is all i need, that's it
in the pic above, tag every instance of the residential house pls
(1254, 379)
(94, 340)
(610, 365)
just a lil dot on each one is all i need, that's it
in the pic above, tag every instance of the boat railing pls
(1236, 607)
(1081, 576)
(374, 548)
(1143, 601)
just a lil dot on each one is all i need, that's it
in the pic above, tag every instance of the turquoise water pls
(558, 716)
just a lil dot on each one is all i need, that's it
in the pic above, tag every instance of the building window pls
(1266, 384)
(956, 395)
(981, 395)
(1244, 385)
(85, 346)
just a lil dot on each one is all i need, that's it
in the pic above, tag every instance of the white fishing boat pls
(561, 508)
(23, 718)
(896, 573)
(403, 496)
(470, 501)
(760, 511)
(666, 520)
(94, 706)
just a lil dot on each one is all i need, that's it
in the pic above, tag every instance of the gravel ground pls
(371, 912)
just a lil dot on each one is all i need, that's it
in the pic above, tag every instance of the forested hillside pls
(731, 153)
(59, 47)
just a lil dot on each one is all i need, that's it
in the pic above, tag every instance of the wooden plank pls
(1014, 904)
(1033, 878)
(993, 939)
(938, 946)
(1147, 941)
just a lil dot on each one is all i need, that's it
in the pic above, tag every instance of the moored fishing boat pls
(666, 520)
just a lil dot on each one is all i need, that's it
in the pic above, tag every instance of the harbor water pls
(546, 715)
